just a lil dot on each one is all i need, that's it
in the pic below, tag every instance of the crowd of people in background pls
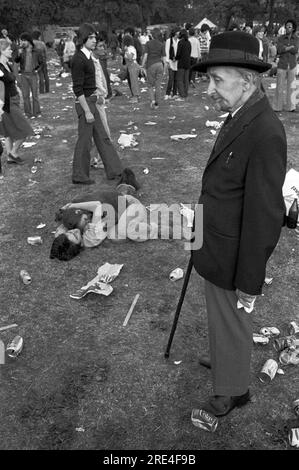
(142, 55)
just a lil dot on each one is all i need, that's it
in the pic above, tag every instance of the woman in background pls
(13, 126)
(154, 59)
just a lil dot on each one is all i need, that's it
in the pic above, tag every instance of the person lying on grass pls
(115, 214)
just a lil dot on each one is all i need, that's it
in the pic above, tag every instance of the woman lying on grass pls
(115, 214)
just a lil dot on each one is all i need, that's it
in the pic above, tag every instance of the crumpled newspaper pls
(99, 284)
(127, 140)
(214, 124)
(183, 136)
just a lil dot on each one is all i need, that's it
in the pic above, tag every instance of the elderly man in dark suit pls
(243, 211)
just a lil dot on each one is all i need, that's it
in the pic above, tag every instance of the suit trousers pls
(29, 82)
(183, 82)
(95, 130)
(284, 90)
(230, 340)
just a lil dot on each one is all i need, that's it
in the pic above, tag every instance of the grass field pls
(83, 381)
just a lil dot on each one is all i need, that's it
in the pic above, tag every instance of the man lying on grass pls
(114, 214)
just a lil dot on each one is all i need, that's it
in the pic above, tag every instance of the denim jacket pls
(287, 59)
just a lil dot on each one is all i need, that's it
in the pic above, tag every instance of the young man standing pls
(31, 61)
(90, 124)
(44, 84)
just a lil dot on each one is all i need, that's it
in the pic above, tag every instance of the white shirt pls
(86, 52)
(195, 47)
(173, 64)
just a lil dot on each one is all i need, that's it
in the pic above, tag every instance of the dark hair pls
(191, 32)
(183, 34)
(36, 34)
(70, 218)
(293, 23)
(85, 30)
(102, 36)
(174, 31)
(204, 27)
(27, 37)
(130, 30)
(128, 41)
(156, 33)
(63, 249)
(128, 177)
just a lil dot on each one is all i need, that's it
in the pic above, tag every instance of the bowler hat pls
(235, 49)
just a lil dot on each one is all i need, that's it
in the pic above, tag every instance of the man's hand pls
(89, 117)
(246, 300)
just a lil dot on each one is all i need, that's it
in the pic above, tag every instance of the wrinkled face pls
(74, 236)
(289, 28)
(90, 44)
(226, 88)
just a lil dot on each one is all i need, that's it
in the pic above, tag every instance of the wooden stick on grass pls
(2, 328)
(131, 310)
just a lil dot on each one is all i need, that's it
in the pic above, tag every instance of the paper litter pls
(99, 284)
(215, 124)
(28, 144)
(127, 140)
(150, 123)
(178, 137)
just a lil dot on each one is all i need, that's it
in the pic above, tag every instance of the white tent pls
(206, 21)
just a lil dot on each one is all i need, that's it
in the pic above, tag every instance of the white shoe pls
(167, 97)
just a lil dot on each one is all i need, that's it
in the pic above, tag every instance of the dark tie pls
(222, 132)
(228, 118)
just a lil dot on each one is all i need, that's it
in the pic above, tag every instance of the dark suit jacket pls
(243, 207)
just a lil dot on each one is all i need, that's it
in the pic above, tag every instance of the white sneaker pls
(166, 97)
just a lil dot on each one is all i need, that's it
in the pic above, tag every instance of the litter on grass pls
(178, 137)
(150, 123)
(28, 144)
(128, 316)
(127, 140)
(214, 124)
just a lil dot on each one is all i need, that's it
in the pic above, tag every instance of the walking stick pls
(179, 306)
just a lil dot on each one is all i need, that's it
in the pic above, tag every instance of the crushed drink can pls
(15, 346)
(296, 406)
(34, 240)
(268, 371)
(204, 420)
(287, 356)
(270, 331)
(176, 274)
(25, 276)
(260, 339)
(294, 328)
(34, 169)
(286, 342)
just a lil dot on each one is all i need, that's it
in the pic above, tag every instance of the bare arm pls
(88, 205)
